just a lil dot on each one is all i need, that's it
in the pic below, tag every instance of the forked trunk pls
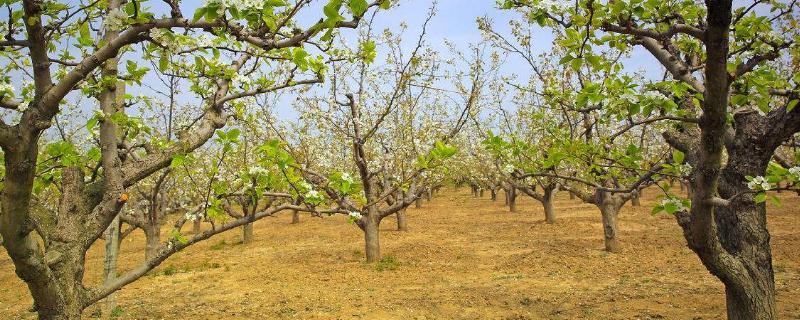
(402, 223)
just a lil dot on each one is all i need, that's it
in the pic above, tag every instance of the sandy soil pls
(464, 258)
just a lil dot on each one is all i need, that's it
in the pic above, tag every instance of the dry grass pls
(464, 258)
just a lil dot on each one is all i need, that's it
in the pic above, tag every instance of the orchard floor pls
(463, 258)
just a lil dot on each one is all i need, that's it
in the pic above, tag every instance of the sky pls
(454, 22)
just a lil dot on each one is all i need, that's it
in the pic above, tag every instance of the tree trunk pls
(402, 223)
(247, 233)
(635, 199)
(547, 203)
(609, 208)
(512, 199)
(418, 203)
(493, 194)
(571, 196)
(734, 243)
(428, 195)
(196, 226)
(372, 246)
(474, 191)
(295, 217)
(480, 192)
(110, 263)
(152, 235)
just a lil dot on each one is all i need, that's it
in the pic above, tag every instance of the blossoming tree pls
(102, 51)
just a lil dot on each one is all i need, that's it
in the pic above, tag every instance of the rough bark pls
(247, 233)
(547, 204)
(609, 211)
(152, 235)
(372, 246)
(110, 263)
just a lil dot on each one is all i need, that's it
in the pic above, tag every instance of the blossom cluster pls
(759, 183)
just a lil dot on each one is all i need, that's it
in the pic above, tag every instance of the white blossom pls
(679, 207)
(6, 90)
(355, 215)
(115, 20)
(759, 183)
(257, 170)
(347, 178)
(795, 172)
(683, 169)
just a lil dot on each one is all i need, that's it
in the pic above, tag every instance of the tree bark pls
(547, 203)
(295, 217)
(110, 263)
(247, 233)
(480, 192)
(418, 203)
(571, 196)
(152, 236)
(512, 199)
(493, 194)
(610, 229)
(402, 223)
(372, 246)
(635, 199)
(197, 226)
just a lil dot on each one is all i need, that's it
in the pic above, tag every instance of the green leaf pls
(761, 197)
(368, 51)
(791, 105)
(386, 4)
(331, 9)
(358, 7)
(678, 156)
(163, 62)
(199, 13)
(177, 161)
(85, 38)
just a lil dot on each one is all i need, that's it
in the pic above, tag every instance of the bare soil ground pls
(464, 258)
